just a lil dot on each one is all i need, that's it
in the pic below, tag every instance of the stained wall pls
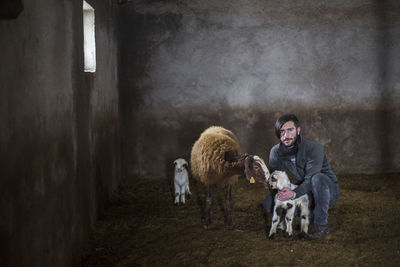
(240, 64)
(59, 137)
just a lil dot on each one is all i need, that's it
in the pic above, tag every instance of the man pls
(305, 161)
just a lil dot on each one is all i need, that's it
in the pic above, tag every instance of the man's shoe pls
(318, 230)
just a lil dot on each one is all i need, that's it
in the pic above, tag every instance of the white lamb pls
(279, 180)
(181, 181)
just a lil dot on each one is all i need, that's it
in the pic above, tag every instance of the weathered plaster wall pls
(59, 136)
(240, 64)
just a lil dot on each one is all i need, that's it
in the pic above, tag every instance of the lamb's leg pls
(183, 190)
(177, 191)
(281, 227)
(280, 212)
(188, 193)
(289, 220)
(210, 191)
(305, 214)
(275, 222)
(229, 205)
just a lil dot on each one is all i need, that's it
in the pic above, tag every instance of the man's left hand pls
(285, 194)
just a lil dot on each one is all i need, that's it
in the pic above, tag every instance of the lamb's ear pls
(282, 179)
(280, 184)
(231, 156)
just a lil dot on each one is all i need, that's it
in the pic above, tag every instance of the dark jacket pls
(310, 160)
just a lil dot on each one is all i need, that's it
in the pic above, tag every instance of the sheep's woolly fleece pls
(207, 157)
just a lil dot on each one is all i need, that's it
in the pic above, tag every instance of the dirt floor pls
(142, 227)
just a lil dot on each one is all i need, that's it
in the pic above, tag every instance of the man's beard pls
(288, 151)
(292, 143)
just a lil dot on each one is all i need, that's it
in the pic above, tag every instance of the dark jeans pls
(324, 194)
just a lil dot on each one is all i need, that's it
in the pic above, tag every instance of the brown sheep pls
(217, 162)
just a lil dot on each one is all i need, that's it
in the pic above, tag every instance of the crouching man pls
(305, 161)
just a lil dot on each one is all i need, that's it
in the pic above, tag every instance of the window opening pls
(89, 41)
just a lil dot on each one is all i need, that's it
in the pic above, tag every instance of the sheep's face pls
(254, 167)
(180, 165)
(278, 180)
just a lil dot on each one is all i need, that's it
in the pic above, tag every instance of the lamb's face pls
(255, 168)
(278, 180)
(180, 165)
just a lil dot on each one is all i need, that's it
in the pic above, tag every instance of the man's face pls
(289, 133)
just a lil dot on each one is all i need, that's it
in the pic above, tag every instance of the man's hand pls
(285, 194)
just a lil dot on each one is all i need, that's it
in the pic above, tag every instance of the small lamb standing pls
(181, 181)
(279, 180)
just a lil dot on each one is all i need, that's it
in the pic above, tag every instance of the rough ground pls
(142, 227)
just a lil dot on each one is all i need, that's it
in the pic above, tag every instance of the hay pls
(143, 227)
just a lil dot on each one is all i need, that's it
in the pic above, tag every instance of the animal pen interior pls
(98, 98)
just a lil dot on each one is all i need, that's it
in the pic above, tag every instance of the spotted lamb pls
(279, 180)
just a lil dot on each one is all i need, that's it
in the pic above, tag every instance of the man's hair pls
(284, 119)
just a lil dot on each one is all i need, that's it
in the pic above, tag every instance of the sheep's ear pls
(231, 156)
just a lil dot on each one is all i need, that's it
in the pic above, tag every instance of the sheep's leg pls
(210, 191)
(280, 212)
(188, 193)
(177, 192)
(281, 227)
(289, 220)
(229, 205)
(275, 222)
(305, 220)
(183, 190)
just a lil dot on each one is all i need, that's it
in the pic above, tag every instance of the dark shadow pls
(11, 9)
(137, 32)
(384, 43)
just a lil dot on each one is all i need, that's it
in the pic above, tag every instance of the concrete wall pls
(59, 136)
(240, 64)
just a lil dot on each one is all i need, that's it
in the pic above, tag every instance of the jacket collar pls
(300, 139)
